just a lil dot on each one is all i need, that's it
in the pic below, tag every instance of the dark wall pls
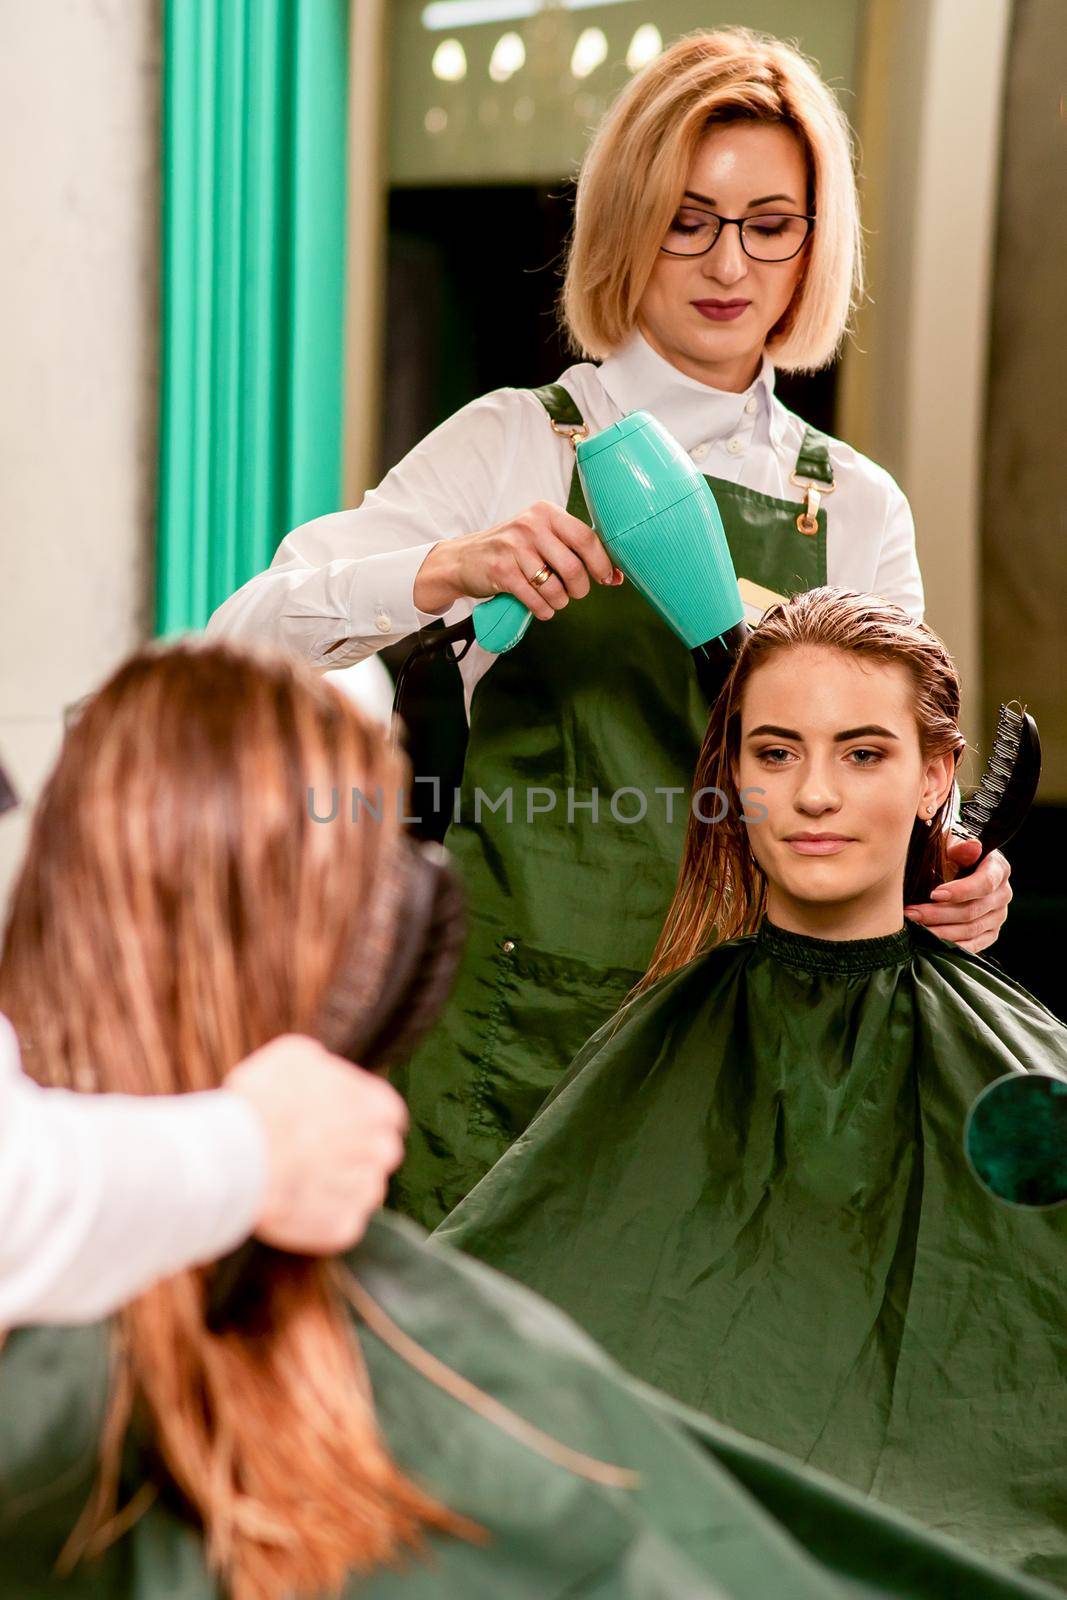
(474, 276)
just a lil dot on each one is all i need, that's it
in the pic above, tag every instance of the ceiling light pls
(645, 46)
(450, 61)
(589, 52)
(464, 13)
(509, 54)
(442, 14)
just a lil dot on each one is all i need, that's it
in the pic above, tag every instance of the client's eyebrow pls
(871, 729)
(864, 733)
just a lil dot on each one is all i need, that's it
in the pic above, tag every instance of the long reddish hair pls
(178, 907)
(721, 890)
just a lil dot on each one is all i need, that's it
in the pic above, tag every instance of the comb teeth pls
(976, 812)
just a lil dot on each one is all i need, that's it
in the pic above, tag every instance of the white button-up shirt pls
(102, 1194)
(340, 587)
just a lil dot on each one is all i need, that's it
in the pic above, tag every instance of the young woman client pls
(751, 1184)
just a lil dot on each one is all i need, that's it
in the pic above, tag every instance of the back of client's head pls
(721, 890)
(179, 905)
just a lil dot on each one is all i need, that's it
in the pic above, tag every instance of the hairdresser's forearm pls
(333, 613)
(342, 586)
(102, 1195)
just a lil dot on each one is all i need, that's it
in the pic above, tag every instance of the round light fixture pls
(509, 55)
(590, 52)
(645, 46)
(450, 61)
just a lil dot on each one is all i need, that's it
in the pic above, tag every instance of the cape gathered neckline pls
(846, 956)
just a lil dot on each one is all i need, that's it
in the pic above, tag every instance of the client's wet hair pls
(178, 907)
(721, 890)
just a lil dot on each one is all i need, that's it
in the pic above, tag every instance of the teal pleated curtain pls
(254, 147)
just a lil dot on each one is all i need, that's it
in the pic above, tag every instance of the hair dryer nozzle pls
(715, 660)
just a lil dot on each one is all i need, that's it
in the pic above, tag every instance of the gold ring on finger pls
(541, 577)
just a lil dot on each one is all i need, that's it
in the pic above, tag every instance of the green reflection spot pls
(1016, 1139)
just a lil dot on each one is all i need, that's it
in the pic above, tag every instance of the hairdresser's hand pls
(969, 911)
(334, 1135)
(502, 560)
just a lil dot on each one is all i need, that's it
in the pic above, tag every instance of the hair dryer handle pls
(500, 623)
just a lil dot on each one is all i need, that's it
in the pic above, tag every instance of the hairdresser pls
(102, 1195)
(716, 238)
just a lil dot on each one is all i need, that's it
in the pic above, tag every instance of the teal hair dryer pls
(659, 523)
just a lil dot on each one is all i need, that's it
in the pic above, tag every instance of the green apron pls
(599, 707)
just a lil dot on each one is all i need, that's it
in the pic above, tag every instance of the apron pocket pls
(543, 1009)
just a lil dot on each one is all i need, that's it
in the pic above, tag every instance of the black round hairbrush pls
(387, 994)
(997, 808)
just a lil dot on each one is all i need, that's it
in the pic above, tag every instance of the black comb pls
(997, 808)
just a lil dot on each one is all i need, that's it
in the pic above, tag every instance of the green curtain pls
(254, 150)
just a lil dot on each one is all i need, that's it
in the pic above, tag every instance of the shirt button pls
(735, 446)
(751, 405)
(383, 622)
(699, 452)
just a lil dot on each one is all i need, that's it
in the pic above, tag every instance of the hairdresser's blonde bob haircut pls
(634, 175)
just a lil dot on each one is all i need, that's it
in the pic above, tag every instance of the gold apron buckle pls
(569, 431)
(815, 493)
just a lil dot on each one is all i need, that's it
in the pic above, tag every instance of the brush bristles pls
(977, 811)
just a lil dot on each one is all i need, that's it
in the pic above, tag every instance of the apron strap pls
(565, 418)
(559, 403)
(813, 469)
(813, 459)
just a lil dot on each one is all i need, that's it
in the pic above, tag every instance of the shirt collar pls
(638, 378)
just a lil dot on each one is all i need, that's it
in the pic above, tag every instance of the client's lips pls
(721, 310)
(818, 844)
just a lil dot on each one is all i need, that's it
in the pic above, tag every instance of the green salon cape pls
(753, 1192)
(712, 1517)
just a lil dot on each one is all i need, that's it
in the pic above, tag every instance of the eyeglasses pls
(770, 237)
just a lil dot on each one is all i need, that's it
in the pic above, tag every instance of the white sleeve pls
(101, 1195)
(898, 578)
(340, 587)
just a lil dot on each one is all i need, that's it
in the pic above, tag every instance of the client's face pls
(833, 744)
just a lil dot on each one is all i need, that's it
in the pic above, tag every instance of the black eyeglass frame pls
(739, 224)
(8, 793)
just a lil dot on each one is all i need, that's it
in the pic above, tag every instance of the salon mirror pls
(1016, 1139)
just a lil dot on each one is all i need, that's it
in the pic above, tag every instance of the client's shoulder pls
(449, 1302)
(439, 1326)
(694, 982)
(980, 981)
(54, 1384)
